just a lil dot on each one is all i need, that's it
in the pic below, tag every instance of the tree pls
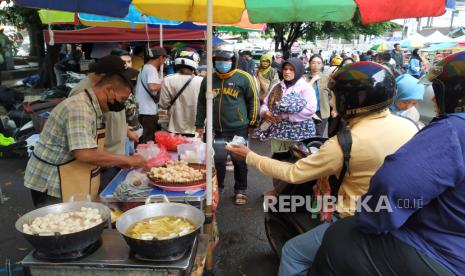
(286, 34)
(26, 18)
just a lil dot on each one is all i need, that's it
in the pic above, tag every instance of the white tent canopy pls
(438, 37)
(418, 39)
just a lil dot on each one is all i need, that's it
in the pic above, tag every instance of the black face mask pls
(116, 106)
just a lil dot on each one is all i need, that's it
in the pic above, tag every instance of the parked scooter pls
(283, 226)
(22, 120)
(14, 122)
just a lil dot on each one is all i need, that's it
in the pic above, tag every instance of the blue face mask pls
(223, 66)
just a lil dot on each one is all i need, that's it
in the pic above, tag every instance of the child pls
(409, 92)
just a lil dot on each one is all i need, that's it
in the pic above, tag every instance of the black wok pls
(160, 248)
(66, 243)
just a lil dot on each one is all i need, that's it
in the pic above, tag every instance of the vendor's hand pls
(136, 161)
(132, 135)
(238, 151)
(262, 99)
(268, 116)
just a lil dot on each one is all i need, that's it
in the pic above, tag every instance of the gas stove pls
(113, 257)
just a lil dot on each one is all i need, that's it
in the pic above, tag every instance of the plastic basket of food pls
(179, 174)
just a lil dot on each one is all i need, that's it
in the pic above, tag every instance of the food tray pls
(159, 182)
(180, 188)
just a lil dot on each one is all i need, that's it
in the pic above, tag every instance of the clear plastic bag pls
(137, 178)
(238, 140)
(135, 185)
(160, 159)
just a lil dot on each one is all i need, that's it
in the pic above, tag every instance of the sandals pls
(240, 199)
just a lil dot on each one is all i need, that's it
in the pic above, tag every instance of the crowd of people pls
(370, 97)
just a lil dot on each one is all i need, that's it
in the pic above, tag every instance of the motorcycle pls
(22, 121)
(283, 226)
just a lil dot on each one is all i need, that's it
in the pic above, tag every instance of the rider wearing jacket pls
(424, 183)
(363, 91)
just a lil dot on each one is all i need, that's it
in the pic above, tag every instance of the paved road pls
(18, 202)
(243, 249)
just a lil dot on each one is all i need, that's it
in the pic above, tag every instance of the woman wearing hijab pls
(266, 75)
(409, 92)
(414, 64)
(319, 82)
(288, 110)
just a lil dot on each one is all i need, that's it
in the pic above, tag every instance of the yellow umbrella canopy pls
(224, 11)
(243, 26)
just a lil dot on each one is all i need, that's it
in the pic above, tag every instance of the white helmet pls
(224, 50)
(187, 58)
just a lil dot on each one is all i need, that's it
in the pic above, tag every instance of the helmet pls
(362, 88)
(336, 61)
(187, 58)
(224, 50)
(448, 79)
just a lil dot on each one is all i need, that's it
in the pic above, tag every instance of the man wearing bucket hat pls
(423, 185)
(67, 157)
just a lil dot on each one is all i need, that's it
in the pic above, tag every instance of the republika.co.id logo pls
(329, 203)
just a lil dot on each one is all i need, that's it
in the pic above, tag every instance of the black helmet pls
(362, 88)
(448, 79)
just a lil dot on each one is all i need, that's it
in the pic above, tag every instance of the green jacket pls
(235, 104)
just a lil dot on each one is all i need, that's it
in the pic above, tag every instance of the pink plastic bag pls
(161, 159)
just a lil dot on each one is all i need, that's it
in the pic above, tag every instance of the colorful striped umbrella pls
(230, 11)
(382, 47)
(271, 11)
(134, 19)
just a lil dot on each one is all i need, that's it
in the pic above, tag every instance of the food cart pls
(113, 258)
(112, 255)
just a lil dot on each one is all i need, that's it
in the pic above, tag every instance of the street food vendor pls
(69, 153)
